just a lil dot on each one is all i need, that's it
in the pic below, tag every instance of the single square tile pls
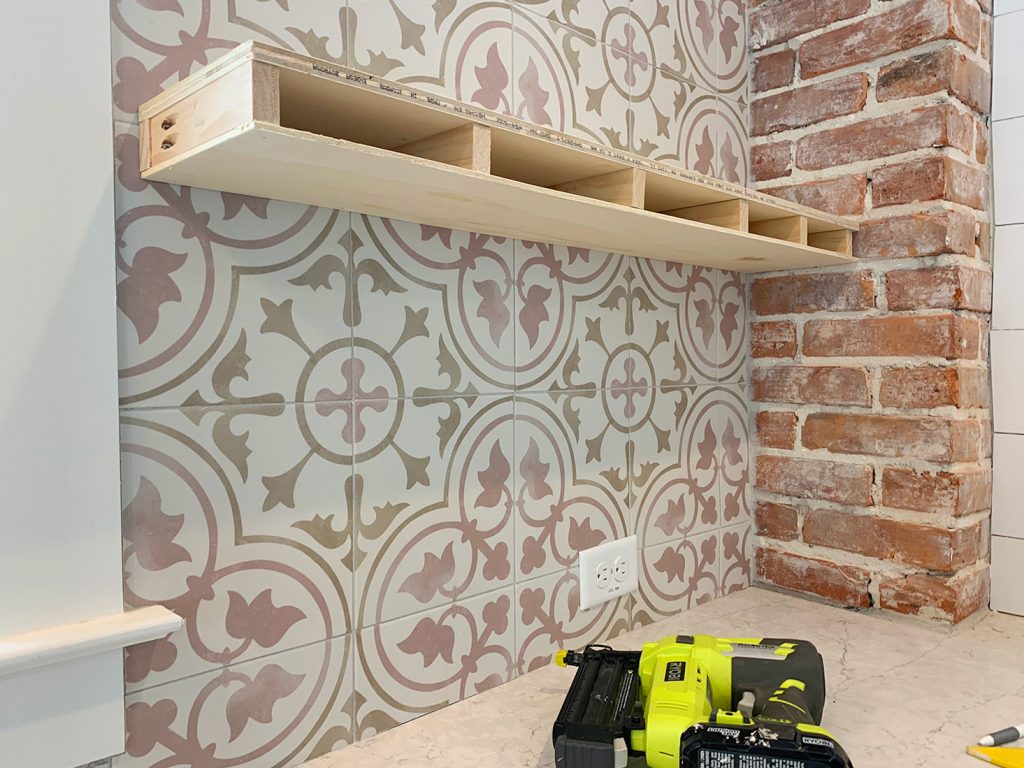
(460, 48)
(1007, 485)
(281, 710)
(432, 311)
(571, 318)
(676, 322)
(1008, 255)
(733, 142)
(156, 44)
(566, 80)
(677, 464)
(225, 299)
(676, 122)
(434, 480)
(676, 576)
(571, 476)
(736, 557)
(416, 664)
(548, 618)
(235, 518)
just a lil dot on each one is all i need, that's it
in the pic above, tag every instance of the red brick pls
(844, 584)
(771, 161)
(915, 235)
(937, 549)
(905, 27)
(773, 339)
(776, 521)
(950, 599)
(840, 482)
(950, 336)
(934, 387)
(774, 70)
(949, 287)
(782, 21)
(831, 291)
(985, 43)
(944, 70)
(955, 493)
(920, 437)
(981, 143)
(797, 107)
(826, 385)
(776, 429)
(930, 178)
(843, 196)
(940, 125)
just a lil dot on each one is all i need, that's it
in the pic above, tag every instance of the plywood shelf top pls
(271, 123)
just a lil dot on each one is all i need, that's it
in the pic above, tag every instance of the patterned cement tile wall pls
(360, 455)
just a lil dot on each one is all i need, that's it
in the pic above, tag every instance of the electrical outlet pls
(607, 571)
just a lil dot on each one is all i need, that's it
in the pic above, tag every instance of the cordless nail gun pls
(696, 701)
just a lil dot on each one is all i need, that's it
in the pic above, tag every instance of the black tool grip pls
(764, 676)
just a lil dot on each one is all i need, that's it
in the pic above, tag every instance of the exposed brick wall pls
(873, 476)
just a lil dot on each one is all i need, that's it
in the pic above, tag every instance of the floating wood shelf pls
(271, 123)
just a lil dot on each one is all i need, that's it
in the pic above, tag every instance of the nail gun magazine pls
(696, 701)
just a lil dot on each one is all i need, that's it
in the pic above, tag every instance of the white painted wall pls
(1008, 309)
(60, 535)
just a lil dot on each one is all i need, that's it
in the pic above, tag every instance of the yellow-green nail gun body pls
(696, 701)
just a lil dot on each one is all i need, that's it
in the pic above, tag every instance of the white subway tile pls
(1007, 64)
(1008, 159)
(1008, 486)
(1007, 6)
(1007, 381)
(1008, 266)
(1008, 575)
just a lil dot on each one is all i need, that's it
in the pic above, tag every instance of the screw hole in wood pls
(167, 124)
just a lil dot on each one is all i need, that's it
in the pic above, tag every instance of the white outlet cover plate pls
(590, 560)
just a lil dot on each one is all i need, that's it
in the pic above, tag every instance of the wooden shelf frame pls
(271, 123)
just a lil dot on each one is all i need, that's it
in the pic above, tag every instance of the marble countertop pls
(901, 692)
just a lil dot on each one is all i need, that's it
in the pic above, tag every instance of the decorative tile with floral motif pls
(281, 709)
(457, 48)
(736, 557)
(434, 504)
(226, 299)
(416, 664)
(566, 80)
(571, 312)
(677, 575)
(571, 461)
(156, 43)
(432, 310)
(548, 618)
(236, 518)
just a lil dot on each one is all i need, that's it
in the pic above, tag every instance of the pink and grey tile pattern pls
(360, 455)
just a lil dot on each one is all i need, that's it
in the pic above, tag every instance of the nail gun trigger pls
(746, 704)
